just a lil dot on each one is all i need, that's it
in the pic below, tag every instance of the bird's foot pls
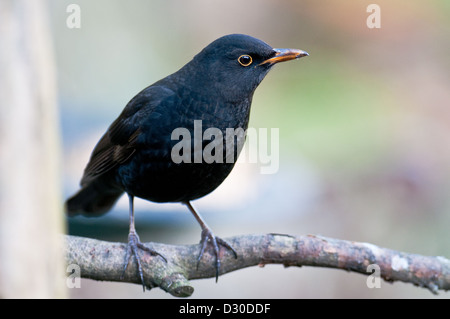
(208, 237)
(134, 244)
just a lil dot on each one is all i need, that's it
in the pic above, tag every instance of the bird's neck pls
(209, 85)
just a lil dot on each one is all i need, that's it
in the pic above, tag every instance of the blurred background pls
(364, 126)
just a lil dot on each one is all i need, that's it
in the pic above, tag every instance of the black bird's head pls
(235, 64)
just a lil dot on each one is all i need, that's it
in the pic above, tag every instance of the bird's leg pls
(208, 237)
(134, 243)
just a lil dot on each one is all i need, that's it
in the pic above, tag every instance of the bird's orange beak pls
(282, 55)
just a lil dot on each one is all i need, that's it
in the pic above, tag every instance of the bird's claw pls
(208, 237)
(134, 244)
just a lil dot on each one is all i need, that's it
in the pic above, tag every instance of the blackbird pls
(136, 154)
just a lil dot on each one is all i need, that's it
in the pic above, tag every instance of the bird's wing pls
(119, 142)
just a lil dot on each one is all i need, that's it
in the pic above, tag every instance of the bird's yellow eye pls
(245, 60)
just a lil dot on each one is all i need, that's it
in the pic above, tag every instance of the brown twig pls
(102, 260)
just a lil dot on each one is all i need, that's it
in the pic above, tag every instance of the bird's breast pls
(188, 151)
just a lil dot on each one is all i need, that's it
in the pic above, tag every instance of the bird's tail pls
(92, 200)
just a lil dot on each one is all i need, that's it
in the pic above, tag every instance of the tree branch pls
(102, 260)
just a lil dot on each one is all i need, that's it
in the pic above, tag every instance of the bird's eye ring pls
(245, 60)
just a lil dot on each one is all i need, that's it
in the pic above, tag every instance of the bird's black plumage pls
(135, 154)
